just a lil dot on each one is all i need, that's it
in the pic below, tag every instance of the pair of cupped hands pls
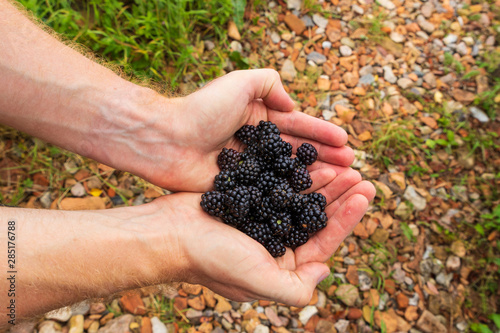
(222, 258)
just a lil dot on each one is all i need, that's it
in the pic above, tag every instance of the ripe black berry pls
(247, 134)
(228, 159)
(307, 153)
(225, 180)
(214, 203)
(238, 201)
(300, 180)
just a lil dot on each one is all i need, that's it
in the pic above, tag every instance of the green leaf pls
(479, 228)
(430, 143)
(496, 319)
(238, 12)
(470, 74)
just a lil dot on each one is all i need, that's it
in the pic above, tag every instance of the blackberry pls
(228, 159)
(296, 203)
(255, 196)
(250, 152)
(298, 164)
(283, 166)
(270, 146)
(312, 218)
(267, 181)
(275, 247)
(280, 224)
(266, 128)
(300, 180)
(225, 180)
(307, 153)
(316, 199)
(238, 201)
(280, 195)
(296, 237)
(258, 231)
(234, 221)
(247, 134)
(213, 203)
(287, 149)
(265, 211)
(248, 172)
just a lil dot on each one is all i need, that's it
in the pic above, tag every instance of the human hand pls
(195, 129)
(235, 266)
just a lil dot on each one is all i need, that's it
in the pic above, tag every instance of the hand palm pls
(217, 248)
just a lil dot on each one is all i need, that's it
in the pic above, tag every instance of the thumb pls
(254, 84)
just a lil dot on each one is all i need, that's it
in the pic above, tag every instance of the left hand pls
(179, 151)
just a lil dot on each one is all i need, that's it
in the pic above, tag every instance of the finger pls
(302, 125)
(340, 185)
(321, 178)
(322, 165)
(323, 244)
(264, 84)
(336, 155)
(364, 188)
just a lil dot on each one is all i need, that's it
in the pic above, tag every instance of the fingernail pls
(322, 277)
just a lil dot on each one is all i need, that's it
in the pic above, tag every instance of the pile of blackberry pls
(258, 190)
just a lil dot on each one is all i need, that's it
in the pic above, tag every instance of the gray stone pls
(349, 260)
(209, 45)
(158, 326)
(120, 324)
(307, 21)
(342, 325)
(383, 301)
(307, 313)
(62, 314)
(78, 190)
(348, 42)
(397, 37)
(437, 266)
(327, 114)
(320, 21)
(462, 326)
(273, 317)
(399, 274)
(193, 314)
(294, 4)
(366, 79)
(462, 48)
(414, 300)
(427, 9)
(321, 303)
(453, 263)
(387, 4)
(460, 192)
(316, 57)
(430, 324)
(236, 46)
(359, 160)
(444, 279)
(80, 308)
(424, 24)
(430, 79)
(468, 40)
(288, 71)
(324, 102)
(490, 41)
(327, 45)
(345, 51)
(48, 326)
(389, 75)
(405, 83)
(365, 281)
(275, 37)
(357, 9)
(139, 200)
(479, 114)
(261, 329)
(450, 39)
(366, 70)
(347, 293)
(46, 200)
(411, 195)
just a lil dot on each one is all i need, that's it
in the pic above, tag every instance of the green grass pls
(158, 40)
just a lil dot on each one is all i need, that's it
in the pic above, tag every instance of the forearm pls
(63, 257)
(51, 91)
